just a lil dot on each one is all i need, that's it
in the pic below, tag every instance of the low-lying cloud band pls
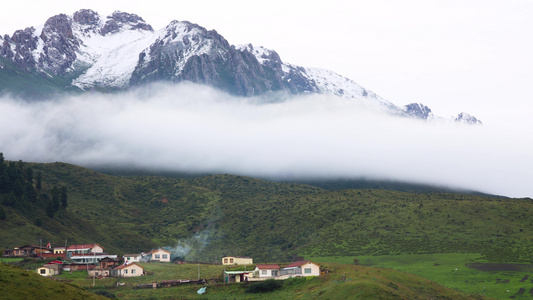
(192, 128)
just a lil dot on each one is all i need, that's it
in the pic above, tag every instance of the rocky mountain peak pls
(467, 119)
(121, 20)
(24, 42)
(60, 45)
(418, 111)
(88, 19)
(59, 26)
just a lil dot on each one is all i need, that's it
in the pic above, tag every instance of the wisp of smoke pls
(192, 128)
(190, 249)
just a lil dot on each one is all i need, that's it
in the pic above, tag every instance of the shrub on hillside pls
(106, 294)
(264, 286)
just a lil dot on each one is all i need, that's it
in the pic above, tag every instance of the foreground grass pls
(449, 269)
(18, 283)
(340, 282)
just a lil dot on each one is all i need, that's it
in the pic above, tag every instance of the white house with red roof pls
(86, 248)
(263, 271)
(301, 268)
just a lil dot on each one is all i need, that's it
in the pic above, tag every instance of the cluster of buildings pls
(267, 271)
(90, 257)
(97, 263)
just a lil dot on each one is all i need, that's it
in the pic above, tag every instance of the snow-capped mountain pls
(86, 51)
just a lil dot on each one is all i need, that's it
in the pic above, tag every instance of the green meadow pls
(450, 270)
(340, 281)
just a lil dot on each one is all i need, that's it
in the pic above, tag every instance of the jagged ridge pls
(122, 50)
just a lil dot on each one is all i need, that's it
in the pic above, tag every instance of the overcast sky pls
(452, 55)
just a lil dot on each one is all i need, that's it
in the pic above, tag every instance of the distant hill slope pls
(17, 283)
(208, 217)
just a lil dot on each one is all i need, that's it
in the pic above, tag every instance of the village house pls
(90, 258)
(237, 260)
(86, 248)
(301, 268)
(99, 272)
(27, 251)
(110, 262)
(237, 276)
(129, 270)
(46, 270)
(160, 255)
(132, 258)
(266, 271)
(50, 269)
(60, 250)
(106, 265)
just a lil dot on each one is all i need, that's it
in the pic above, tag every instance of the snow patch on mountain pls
(262, 54)
(112, 58)
(326, 82)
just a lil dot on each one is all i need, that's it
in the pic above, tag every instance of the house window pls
(231, 260)
(264, 272)
(157, 256)
(307, 270)
(132, 271)
(43, 271)
(225, 260)
(125, 271)
(165, 256)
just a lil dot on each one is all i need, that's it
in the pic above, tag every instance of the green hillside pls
(218, 215)
(17, 283)
(31, 85)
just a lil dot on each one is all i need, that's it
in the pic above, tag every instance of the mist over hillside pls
(193, 128)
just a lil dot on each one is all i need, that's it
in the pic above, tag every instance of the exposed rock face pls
(119, 20)
(467, 119)
(60, 45)
(88, 18)
(189, 52)
(25, 42)
(418, 111)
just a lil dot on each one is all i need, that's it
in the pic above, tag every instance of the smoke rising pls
(192, 128)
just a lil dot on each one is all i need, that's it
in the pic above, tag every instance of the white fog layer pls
(192, 128)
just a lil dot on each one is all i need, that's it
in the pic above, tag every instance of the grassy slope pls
(271, 221)
(450, 270)
(17, 283)
(29, 84)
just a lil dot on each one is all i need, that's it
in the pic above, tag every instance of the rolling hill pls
(205, 218)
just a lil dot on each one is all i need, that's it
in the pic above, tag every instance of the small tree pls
(39, 178)
(56, 198)
(50, 209)
(64, 197)
(3, 215)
